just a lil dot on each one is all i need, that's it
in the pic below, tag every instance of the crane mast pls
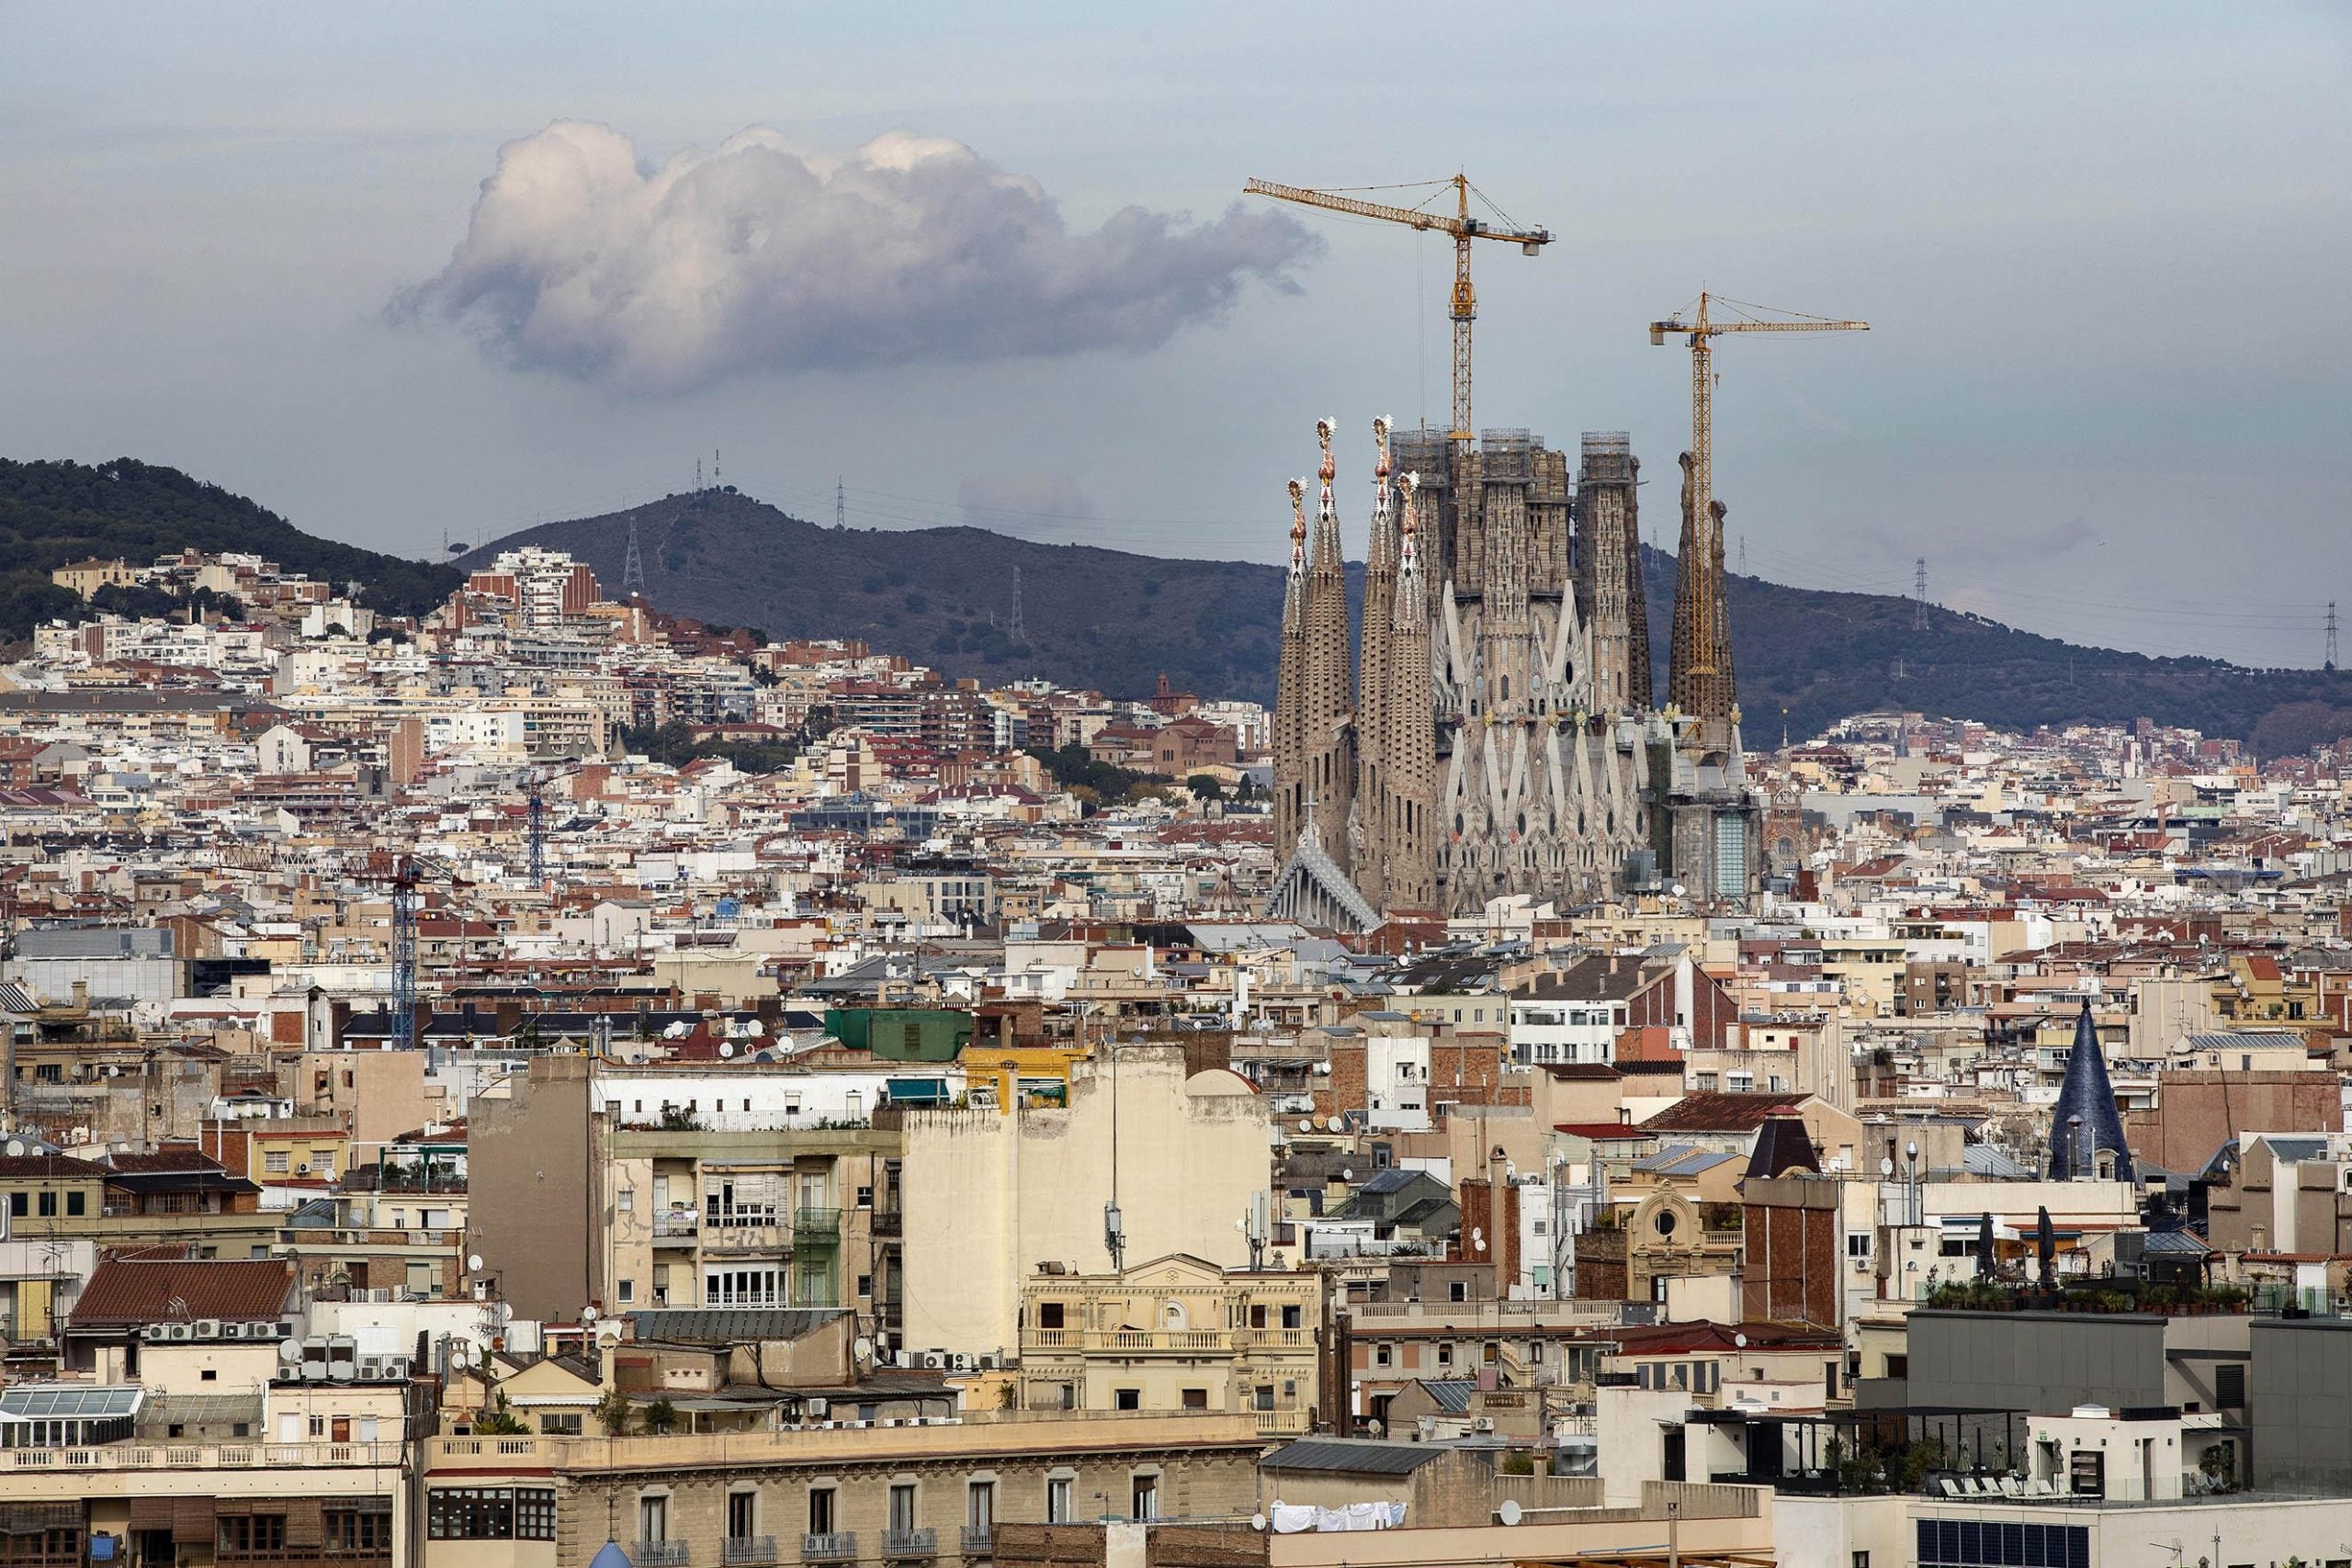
(1462, 229)
(1703, 328)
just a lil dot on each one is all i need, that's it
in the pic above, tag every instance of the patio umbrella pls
(1984, 1245)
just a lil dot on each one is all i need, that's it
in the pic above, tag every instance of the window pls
(276, 1162)
(367, 1532)
(1383, 1355)
(820, 1510)
(210, 1374)
(627, 1291)
(1194, 1399)
(742, 1515)
(318, 1428)
(245, 1533)
(2229, 1386)
(980, 1508)
(1143, 1498)
(1457, 1291)
(1291, 1316)
(1861, 1559)
(627, 1201)
(554, 1425)
(902, 1507)
(49, 1205)
(1857, 1245)
(1261, 1398)
(1057, 1489)
(1049, 1314)
(1129, 1398)
(1445, 1355)
(489, 1511)
(77, 1203)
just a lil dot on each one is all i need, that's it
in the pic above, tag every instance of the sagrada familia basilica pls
(1491, 731)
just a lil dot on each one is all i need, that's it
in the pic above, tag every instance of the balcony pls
(747, 1550)
(888, 1224)
(1164, 1341)
(906, 1545)
(676, 1223)
(1284, 1423)
(834, 1546)
(979, 1541)
(816, 1226)
(659, 1554)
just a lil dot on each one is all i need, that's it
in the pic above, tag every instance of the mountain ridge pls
(1113, 620)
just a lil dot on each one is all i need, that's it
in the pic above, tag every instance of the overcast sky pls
(400, 272)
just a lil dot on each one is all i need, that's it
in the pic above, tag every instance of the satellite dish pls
(1347, 1173)
(1740, 1340)
(1477, 1235)
(1257, 1522)
(862, 1349)
(1335, 1123)
(1678, 890)
(1509, 1513)
(1303, 1125)
(16, 1145)
(473, 1263)
(288, 1351)
(1885, 1167)
(726, 1048)
(588, 1315)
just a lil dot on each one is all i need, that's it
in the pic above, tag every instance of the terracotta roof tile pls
(133, 1293)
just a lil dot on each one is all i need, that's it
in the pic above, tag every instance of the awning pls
(917, 1091)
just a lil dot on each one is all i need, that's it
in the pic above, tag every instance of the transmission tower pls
(2330, 665)
(633, 569)
(841, 505)
(538, 840)
(1919, 589)
(1015, 632)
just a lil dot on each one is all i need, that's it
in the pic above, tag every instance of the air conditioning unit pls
(1861, 1265)
(963, 1364)
(182, 1330)
(906, 1358)
(154, 1332)
(341, 1371)
(371, 1369)
(991, 1361)
(314, 1372)
(933, 1360)
(893, 1421)
(208, 1328)
(818, 1407)
(1483, 1424)
(396, 1368)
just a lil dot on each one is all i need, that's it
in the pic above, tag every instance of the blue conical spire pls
(2084, 1119)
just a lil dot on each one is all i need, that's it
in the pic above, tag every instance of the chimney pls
(82, 995)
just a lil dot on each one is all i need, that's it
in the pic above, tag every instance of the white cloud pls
(582, 259)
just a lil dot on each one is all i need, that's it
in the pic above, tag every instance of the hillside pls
(1112, 620)
(54, 512)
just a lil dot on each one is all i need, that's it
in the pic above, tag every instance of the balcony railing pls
(833, 1546)
(1284, 1423)
(747, 1549)
(659, 1554)
(676, 1222)
(202, 1455)
(817, 1225)
(979, 1541)
(909, 1543)
(888, 1222)
(1176, 1341)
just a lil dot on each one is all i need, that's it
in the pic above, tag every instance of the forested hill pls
(55, 513)
(1114, 621)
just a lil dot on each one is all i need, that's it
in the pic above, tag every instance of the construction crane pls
(1702, 327)
(407, 874)
(1461, 225)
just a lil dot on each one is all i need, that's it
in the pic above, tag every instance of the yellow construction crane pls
(1461, 225)
(1702, 327)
